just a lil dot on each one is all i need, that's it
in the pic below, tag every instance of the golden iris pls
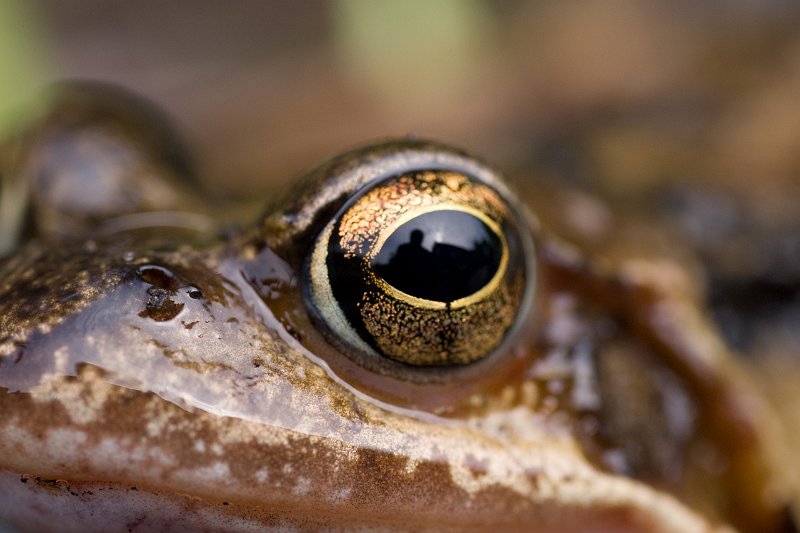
(426, 268)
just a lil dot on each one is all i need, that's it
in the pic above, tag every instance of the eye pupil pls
(441, 255)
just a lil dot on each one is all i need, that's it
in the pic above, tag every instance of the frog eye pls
(425, 269)
(98, 153)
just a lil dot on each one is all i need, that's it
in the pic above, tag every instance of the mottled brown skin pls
(155, 378)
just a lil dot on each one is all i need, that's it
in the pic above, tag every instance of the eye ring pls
(428, 339)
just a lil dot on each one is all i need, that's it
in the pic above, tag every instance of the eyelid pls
(330, 186)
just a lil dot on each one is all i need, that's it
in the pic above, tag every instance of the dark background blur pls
(625, 91)
(687, 111)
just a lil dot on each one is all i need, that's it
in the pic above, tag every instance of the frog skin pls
(159, 375)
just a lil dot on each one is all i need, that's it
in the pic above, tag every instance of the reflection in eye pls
(423, 269)
(441, 256)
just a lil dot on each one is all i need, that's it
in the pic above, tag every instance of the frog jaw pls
(222, 472)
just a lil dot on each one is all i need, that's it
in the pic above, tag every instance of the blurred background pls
(685, 112)
(620, 91)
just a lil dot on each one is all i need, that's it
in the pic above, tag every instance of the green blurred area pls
(23, 64)
(412, 50)
(23, 71)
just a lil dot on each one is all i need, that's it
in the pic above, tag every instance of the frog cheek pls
(422, 272)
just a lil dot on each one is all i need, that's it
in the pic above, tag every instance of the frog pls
(399, 343)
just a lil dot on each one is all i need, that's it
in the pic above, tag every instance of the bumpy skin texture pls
(148, 383)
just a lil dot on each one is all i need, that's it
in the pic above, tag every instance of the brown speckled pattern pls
(35, 298)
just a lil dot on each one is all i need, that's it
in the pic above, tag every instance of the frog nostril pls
(164, 287)
(194, 293)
